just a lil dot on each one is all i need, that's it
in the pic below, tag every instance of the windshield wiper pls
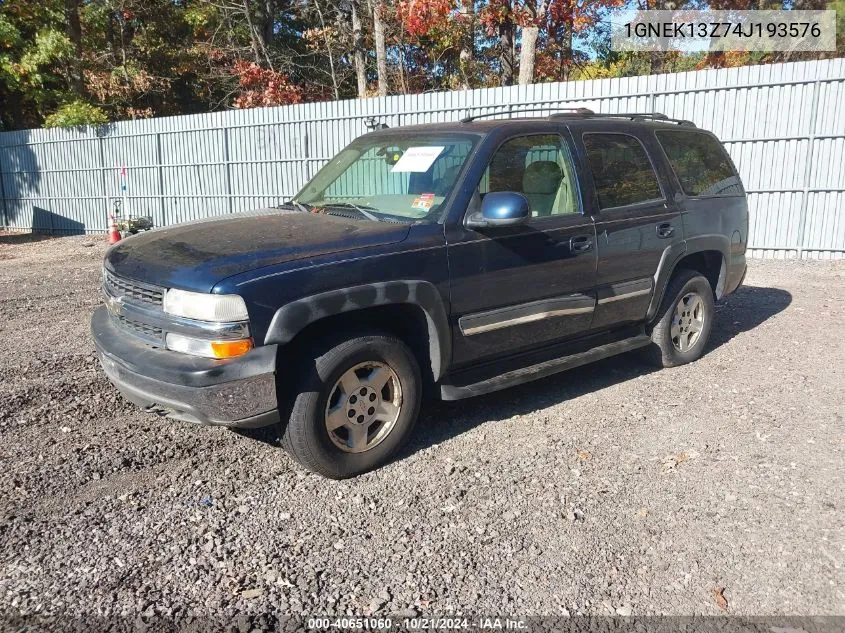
(299, 206)
(359, 209)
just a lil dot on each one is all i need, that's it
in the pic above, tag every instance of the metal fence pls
(783, 124)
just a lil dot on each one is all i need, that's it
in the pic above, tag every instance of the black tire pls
(663, 351)
(306, 436)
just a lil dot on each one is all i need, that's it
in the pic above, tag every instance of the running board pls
(541, 370)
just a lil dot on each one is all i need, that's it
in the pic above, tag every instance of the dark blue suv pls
(455, 258)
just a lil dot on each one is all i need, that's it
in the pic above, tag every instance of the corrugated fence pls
(784, 126)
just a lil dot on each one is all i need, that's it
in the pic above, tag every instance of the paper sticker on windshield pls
(422, 203)
(418, 159)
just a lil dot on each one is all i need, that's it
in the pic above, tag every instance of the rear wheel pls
(683, 323)
(357, 404)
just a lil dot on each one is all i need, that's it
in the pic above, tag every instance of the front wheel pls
(357, 404)
(683, 323)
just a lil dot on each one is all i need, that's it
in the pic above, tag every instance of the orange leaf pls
(719, 597)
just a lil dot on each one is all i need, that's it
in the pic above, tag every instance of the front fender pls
(293, 317)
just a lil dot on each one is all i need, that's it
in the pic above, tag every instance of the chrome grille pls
(141, 292)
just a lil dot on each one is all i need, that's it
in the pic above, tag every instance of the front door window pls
(537, 166)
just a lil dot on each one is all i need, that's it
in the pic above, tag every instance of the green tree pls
(76, 113)
(36, 61)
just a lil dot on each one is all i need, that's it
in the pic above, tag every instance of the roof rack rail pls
(640, 116)
(563, 113)
(569, 112)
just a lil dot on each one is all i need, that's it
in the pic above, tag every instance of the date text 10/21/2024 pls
(418, 623)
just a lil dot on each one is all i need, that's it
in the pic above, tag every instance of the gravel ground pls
(610, 489)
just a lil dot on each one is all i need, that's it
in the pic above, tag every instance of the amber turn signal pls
(230, 349)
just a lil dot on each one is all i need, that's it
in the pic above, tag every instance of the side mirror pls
(501, 208)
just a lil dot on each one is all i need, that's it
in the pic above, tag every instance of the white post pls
(123, 192)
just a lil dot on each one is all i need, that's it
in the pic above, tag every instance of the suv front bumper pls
(238, 392)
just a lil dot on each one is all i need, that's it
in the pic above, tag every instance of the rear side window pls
(621, 170)
(700, 163)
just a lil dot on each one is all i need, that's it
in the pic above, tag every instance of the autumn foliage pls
(263, 87)
(78, 62)
(419, 17)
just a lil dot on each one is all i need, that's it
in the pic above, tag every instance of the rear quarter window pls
(701, 164)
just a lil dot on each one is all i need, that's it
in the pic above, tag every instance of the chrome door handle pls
(580, 244)
(665, 229)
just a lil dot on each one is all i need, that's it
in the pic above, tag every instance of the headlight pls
(205, 307)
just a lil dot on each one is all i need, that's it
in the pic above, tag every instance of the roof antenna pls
(373, 124)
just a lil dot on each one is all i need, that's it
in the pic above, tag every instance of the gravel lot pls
(609, 489)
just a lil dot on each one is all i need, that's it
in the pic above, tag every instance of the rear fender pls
(674, 253)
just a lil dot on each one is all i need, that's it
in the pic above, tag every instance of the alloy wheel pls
(363, 407)
(687, 322)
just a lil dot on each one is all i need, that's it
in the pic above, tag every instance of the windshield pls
(399, 178)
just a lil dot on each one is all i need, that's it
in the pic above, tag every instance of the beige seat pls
(540, 184)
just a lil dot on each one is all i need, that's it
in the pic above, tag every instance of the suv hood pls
(198, 255)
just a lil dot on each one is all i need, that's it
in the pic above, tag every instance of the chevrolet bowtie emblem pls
(114, 304)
